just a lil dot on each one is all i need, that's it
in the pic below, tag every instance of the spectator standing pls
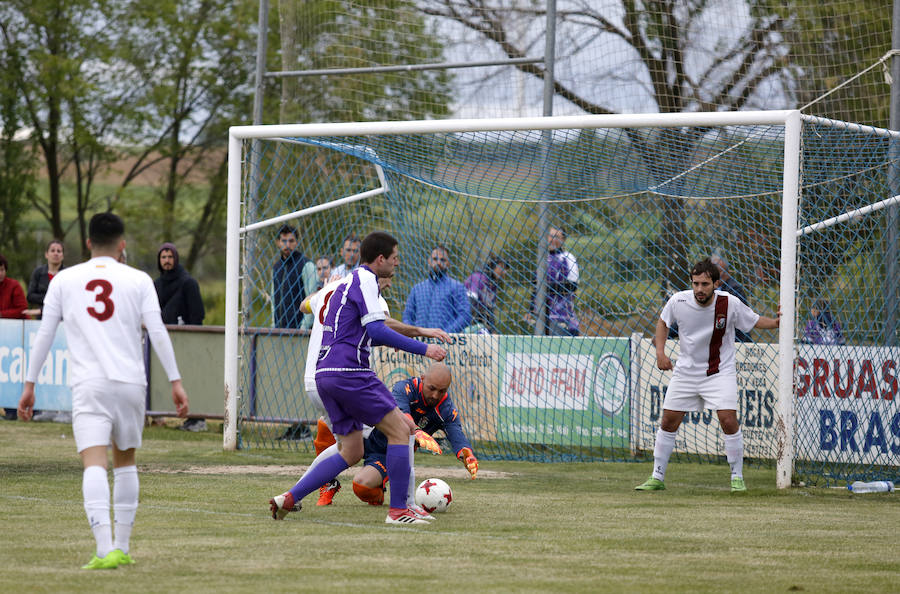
(561, 282)
(178, 291)
(293, 278)
(439, 301)
(323, 271)
(12, 305)
(12, 297)
(350, 255)
(180, 302)
(821, 327)
(37, 289)
(481, 287)
(43, 274)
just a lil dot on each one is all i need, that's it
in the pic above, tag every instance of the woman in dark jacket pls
(41, 276)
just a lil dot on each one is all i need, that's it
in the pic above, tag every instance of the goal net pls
(628, 203)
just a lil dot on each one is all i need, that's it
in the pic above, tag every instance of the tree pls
(193, 60)
(660, 48)
(57, 41)
(17, 161)
(327, 34)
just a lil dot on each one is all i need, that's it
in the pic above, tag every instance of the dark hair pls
(285, 229)
(352, 238)
(377, 243)
(52, 241)
(105, 229)
(3, 262)
(705, 267)
(443, 248)
(494, 261)
(328, 258)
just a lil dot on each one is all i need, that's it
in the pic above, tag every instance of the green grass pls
(541, 528)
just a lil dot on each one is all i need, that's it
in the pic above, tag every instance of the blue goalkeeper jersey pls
(444, 416)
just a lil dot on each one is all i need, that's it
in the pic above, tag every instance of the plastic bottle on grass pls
(872, 487)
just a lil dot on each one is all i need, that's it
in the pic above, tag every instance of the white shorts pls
(313, 394)
(106, 412)
(715, 392)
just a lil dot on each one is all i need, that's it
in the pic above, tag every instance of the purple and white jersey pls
(346, 346)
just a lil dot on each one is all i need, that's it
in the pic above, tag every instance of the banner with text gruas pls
(847, 404)
(568, 391)
(757, 379)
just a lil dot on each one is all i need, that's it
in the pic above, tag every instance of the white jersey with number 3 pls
(103, 304)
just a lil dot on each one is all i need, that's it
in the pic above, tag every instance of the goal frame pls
(790, 119)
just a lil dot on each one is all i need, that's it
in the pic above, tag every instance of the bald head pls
(435, 383)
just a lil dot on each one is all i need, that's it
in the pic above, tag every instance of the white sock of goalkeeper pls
(95, 488)
(125, 503)
(734, 453)
(411, 490)
(662, 451)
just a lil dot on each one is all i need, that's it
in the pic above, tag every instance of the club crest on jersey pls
(720, 322)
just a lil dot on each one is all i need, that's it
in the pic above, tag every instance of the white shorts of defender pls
(715, 392)
(106, 412)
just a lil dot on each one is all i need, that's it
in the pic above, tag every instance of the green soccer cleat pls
(651, 484)
(109, 562)
(738, 486)
(121, 558)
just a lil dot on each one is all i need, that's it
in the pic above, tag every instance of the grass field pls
(203, 526)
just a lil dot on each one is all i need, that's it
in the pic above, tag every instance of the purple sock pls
(398, 473)
(323, 472)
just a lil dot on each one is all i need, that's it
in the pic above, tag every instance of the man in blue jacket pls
(438, 301)
(426, 401)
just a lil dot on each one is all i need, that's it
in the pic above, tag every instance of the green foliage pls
(329, 34)
(17, 165)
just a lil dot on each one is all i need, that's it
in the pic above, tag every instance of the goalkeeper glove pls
(426, 441)
(467, 457)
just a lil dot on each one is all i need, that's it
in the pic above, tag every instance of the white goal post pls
(240, 182)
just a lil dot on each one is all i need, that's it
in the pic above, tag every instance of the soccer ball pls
(434, 495)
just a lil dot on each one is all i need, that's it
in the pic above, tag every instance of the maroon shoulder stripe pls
(715, 343)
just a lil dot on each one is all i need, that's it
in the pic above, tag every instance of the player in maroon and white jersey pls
(103, 304)
(704, 375)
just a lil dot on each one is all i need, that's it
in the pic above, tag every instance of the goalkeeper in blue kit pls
(426, 401)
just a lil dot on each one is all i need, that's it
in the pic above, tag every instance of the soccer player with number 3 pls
(705, 374)
(104, 303)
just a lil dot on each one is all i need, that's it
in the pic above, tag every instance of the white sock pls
(734, 453)
(95, 489)
(411, 490)
(662, 451)
(125, 503)
(326, 453)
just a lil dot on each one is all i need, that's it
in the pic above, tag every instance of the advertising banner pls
(472, 359)
(568, 391)
(847, 404)
(757, 379)
(52, 390)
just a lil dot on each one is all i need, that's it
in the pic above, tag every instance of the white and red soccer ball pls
(434, 495)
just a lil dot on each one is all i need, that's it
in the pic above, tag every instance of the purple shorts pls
(353, 399)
